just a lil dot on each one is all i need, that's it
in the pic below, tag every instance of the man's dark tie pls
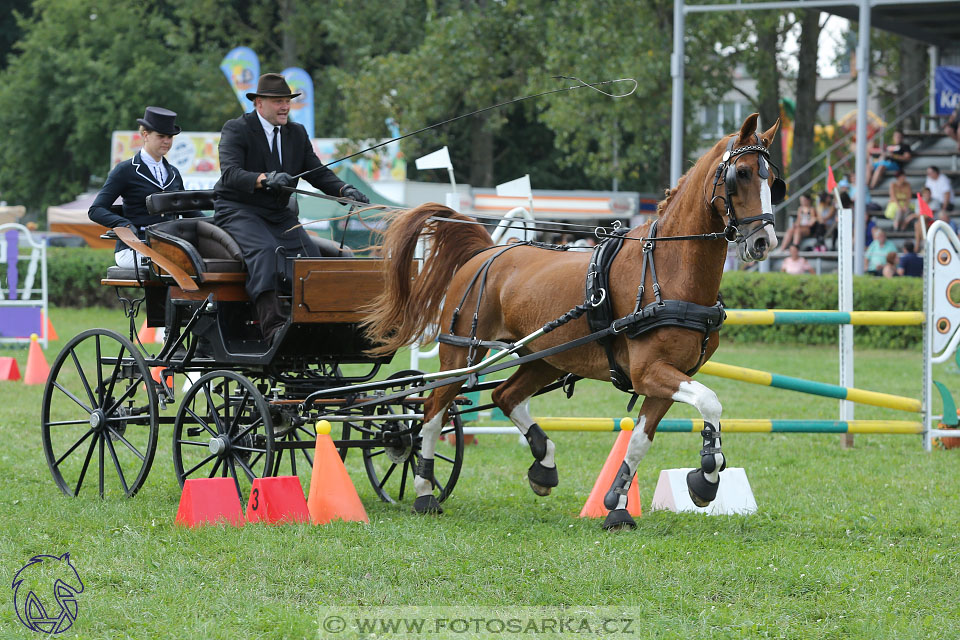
(275, 149)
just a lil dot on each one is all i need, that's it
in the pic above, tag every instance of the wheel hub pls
(398, 448)
(98, 420)
(219, 445)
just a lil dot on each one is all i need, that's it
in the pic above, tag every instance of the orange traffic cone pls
(9, 369)
(332, 495)
(146, 334)
(51, 332)
(594, 506)
(37, 367)
(156, 372)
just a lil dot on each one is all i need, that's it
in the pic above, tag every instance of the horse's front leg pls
(665, 381)
(615, 500)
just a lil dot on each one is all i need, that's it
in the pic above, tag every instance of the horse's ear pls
(748, 129)
(767, 136)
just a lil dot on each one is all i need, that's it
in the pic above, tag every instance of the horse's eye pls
(743, 174)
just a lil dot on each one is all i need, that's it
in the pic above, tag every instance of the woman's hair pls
(144, 131)
(900, 173)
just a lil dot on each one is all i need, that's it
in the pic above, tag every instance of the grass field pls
(857, 543)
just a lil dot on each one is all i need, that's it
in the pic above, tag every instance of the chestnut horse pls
(728, 191)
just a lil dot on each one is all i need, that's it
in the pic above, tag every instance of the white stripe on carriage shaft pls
(428, 448)
(766, 206)
(520, 416)
(706, 402)
(636, 451)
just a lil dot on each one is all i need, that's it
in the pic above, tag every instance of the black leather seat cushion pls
(217, 250)
(119, 273)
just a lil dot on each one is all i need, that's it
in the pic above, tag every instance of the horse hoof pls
(542, 479)
(702, 492)
(427, 504)
(618, 520)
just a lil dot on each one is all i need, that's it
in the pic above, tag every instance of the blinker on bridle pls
(727, 172)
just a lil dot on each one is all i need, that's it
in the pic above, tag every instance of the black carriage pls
(251, 407)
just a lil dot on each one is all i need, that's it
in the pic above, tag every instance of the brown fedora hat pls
(272, 85)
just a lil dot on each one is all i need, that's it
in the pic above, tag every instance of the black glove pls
(275, 180)
(353, 193)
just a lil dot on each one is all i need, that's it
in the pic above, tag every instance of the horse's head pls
(745, 188)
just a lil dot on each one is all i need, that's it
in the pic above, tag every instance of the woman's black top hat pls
(272, 85)
(160, 120)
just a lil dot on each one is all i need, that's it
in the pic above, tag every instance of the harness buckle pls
(597, 303)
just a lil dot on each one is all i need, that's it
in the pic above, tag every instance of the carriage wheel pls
(392, 466)
(104, 411)
(223, 428)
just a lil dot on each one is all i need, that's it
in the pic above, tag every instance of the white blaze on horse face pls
(520, 416)
(766, 206)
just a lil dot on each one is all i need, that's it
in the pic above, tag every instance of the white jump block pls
(734, 497)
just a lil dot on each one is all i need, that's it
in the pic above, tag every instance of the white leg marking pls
(636, 450)
(431, 433)
(520, 416)
(707, 403)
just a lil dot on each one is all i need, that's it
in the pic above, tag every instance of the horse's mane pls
(705, 161)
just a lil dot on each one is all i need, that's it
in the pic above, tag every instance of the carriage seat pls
(173, 202)
(206, 247)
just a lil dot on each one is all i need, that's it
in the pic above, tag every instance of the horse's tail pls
(410, 303)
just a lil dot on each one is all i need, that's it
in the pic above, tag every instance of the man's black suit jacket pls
(245, 154)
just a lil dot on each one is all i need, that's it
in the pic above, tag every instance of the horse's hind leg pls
(434, 415)
(615, 500)
(665, 381)
(513, 398)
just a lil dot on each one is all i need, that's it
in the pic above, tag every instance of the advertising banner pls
(946, 82)
(301, 110)
(242, 68)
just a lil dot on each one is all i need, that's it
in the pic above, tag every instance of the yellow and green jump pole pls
(801, 316)
(685, 425)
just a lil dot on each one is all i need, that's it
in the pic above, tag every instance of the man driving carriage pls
(259, 153)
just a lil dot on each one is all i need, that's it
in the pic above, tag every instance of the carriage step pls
(193, 432)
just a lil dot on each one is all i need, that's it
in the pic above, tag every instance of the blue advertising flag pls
(301, 111)
(242, 68)
(946, 82)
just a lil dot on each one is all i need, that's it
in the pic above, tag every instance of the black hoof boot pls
(618, 520)
(542, 479)
(620, 486)
(701, 491)
(427, 504)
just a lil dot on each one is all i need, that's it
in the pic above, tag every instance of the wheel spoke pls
(387, 475)
(200, 464)
(100, 389)
(254, 462)
(100, 471)
(247, 470)
(236, 481)
(213, 471)
(439, 485)
(442, 457)
(193, 443)
(213, 411)
(126, 394)
(83, 378)
(256, 423)
(308, 457)
(116, 463)
(201, 421)
(240, 409)
(60, 423)
(128, 419)
(86, 463)
(250, 449)
(132, 448)
(377, 453)
(71, 449)
(293, 462)
(403, 480)
(114, 374)
(72, 397)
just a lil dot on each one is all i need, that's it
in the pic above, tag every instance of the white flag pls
(439, 159)
(519, 188)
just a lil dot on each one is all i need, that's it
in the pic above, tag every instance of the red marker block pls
(209, 501)
(277, 500)
(9, 369)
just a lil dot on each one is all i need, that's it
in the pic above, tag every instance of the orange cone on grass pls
(37, 367)
(9, 370)
(594, 506)
(51, 332)
(146, 334)
(332, 495)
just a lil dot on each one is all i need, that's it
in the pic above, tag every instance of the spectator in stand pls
(910, 263)
(898, 209)
(892, 158)
(794, 264)
(922, 223)
(803, 224)
(953, 124)
(889, 268)
(827, 213)
(876, 254)
(940, 189)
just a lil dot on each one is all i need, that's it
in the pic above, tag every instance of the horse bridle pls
(727, 172)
